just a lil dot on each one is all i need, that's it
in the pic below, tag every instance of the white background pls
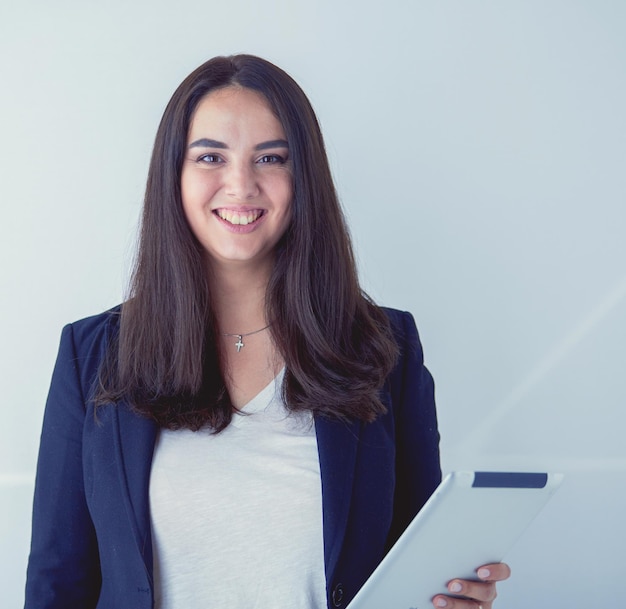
(479, 148)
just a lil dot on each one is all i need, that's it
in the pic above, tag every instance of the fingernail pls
(484, 573)
(455, 587)
(441, 602)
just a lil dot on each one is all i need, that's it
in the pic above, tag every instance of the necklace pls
(239, 344)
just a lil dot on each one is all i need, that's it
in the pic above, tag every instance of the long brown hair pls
(336, 344)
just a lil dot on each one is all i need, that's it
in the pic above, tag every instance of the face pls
(236, 179)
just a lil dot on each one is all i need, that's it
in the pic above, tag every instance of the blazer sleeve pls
(63, 568)
(418, 470)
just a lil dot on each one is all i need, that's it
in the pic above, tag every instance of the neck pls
(238, 295)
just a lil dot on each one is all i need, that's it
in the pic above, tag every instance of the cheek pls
(285, 220)
(284, 194)
(285, 215)
(194, 199)
(189, 209)
(187, 194)
(196, 189)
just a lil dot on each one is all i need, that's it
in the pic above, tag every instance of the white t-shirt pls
(237, 516)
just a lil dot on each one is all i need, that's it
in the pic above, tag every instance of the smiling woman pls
(197, 470)
(200, 278)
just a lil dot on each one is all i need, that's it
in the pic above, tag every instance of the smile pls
(238, 218)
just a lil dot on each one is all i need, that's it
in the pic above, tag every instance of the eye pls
(209, 158)
(272, 158)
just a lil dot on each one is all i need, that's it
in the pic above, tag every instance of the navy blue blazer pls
(91, 545)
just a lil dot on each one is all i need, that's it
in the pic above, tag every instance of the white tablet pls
(472, 519)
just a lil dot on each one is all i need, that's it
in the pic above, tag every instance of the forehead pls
(236, 111)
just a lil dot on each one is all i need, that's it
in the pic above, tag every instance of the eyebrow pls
(208, 143)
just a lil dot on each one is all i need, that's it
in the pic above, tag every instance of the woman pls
(248, 429)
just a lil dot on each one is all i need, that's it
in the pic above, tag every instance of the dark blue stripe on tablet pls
(509, 480)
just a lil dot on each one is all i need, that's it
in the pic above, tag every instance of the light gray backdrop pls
(479, 150)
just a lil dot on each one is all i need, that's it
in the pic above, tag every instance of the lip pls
(240, 228)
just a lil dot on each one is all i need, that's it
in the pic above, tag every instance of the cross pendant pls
(239, 343)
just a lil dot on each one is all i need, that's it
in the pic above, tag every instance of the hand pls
(476, 594)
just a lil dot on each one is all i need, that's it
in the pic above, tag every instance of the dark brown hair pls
(336, 343)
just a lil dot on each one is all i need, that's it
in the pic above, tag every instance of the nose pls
(241, 182)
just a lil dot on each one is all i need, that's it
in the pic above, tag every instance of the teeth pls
(237, 218)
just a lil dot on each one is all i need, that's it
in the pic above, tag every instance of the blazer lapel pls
(337, 447)
(135, 438)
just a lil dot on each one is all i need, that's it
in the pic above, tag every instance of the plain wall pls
(479, 150)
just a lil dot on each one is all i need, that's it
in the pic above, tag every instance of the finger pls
(495, 572)
(479, 591)
(445, 602)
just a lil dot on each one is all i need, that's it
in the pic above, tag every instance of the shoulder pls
(97, 323)
(398, 318)
(84, 345)
(410, 381)
(404, 331)
(96, 329)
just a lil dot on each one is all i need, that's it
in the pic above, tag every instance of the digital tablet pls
(472, 519)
